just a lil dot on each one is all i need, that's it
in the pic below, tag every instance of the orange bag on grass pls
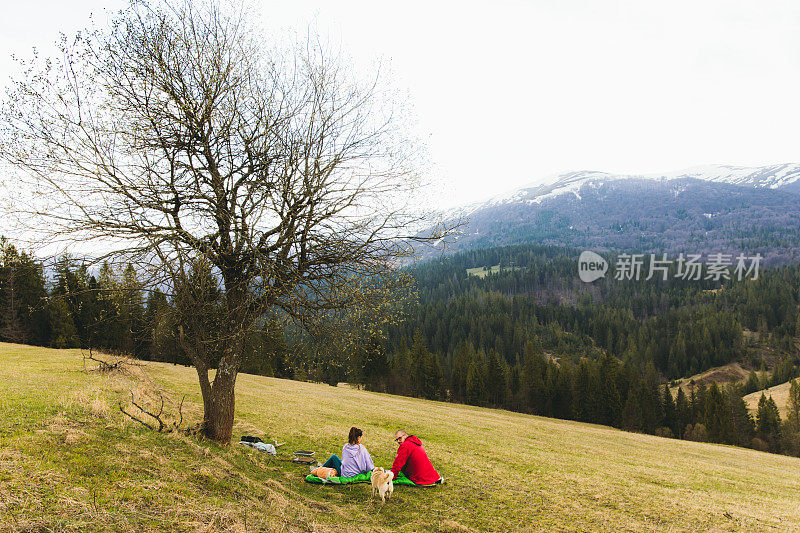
(323, 472)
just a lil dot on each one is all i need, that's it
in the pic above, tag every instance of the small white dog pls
(382, 482)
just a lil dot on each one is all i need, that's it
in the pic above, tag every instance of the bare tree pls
(180, 140)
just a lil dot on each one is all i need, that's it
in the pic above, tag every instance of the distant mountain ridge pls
(708, 208)
(771, 177)
(782, 176)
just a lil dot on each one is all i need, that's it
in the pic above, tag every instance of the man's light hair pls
(400, 432)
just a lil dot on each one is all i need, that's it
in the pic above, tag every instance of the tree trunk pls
(205, 389)
(219, 410)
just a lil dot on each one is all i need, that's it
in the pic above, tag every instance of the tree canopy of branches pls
(179, 139)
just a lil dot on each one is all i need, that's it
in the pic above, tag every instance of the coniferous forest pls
(528, 336)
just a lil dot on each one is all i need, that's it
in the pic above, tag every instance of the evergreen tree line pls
(683, 326)
(75, 309)
(604, 391)
(108, 311)
(530, 338)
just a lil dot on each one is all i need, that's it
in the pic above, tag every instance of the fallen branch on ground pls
(157, 416)
(105, 367)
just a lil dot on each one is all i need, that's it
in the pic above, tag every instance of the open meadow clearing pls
(70, 461)
(779, 393)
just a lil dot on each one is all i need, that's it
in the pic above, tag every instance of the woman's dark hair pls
(354, 434)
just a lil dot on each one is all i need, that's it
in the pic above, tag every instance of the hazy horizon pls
(513, 94)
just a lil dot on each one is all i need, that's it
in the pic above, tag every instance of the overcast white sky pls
(512, 92)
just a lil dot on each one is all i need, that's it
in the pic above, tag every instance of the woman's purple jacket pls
(355, 460)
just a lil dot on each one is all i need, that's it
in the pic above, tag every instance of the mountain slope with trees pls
(533, 337)
(757, 212)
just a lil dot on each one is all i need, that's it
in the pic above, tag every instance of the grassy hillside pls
(69, 461)
(779, 393)
(721, 375)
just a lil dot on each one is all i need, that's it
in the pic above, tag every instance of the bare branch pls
(157, 416)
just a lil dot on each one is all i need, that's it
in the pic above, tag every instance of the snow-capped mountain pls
(770, 177)
(785, 175)
(709, 208)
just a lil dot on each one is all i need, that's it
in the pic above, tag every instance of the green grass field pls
(482, 272)
(69, 461)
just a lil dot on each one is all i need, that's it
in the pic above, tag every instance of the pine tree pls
(717, 417)
(790, 433)
(432, 377)
(162, 340)
(743, 423)
(698, 401)
(586, 397)
(753, 384)
(496, 379)
(683, 413)
(668, 407)
(763, 329)
(793, 407)
(458, 374)
(197, 308)
(768, 421)
(631, 418)
(63, 333)
(611, 401)
(131, 304)
(476, 386)
(155, 307)
(677, 356)
(650, 399)
(559, 395)
(111, 329)
(401, 371)
(30, 288)
(12, 328)
(418, 356)
(516, 398)
(534, 372)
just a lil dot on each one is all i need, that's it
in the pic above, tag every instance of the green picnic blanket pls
(360, 478)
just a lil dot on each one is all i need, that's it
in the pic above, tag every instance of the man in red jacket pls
(413, 461)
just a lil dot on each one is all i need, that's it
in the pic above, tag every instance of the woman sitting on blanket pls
(355, 459)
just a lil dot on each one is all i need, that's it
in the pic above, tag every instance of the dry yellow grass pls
(721, 375)
(99, 407)
(779, 393)
(506, 471)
